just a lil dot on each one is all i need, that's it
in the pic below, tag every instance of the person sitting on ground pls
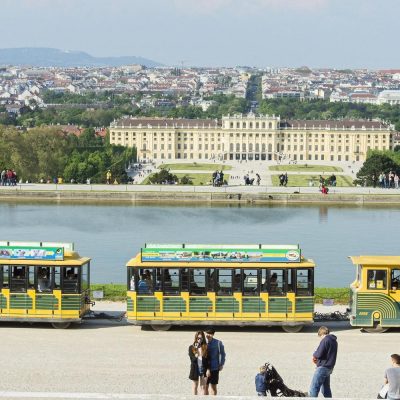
(261, 383)
(392, 377)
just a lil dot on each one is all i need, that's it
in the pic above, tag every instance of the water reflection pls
(112, 234)
(323, 214)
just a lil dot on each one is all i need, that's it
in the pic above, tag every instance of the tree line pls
(121, 104)
(47, 153)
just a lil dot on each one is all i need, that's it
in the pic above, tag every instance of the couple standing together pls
(207, 358)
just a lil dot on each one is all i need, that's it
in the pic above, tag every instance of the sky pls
(260, 33)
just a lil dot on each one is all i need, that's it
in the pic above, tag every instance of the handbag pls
(383, 392)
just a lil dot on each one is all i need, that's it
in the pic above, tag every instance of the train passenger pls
(43, 280)
(143, 287)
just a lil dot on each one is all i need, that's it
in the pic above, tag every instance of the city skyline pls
(261, 33)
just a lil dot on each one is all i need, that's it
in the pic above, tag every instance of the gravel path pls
(113, 357)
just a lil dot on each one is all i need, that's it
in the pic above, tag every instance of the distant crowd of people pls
(283, 179)
(387, 181)
(250, 181)
(218, 178)
(8, 177)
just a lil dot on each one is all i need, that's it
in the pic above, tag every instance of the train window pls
(264, 280)
(70, 280)
(184, 280)
(145, 281)
(224, 282)
(198, 281)
(250, 282)
(57, 278)
(43, 279)
(18, 279)
(3, 276)
(131, 279)
(289, 279)
(395, 280)
(237, 281)
(171, 281)
(31, 277)
(276, 282)
(303, 282)
(211, 281)
(376, 279)
(85, 277)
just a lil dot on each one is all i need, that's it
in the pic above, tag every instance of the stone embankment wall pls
(200, 197)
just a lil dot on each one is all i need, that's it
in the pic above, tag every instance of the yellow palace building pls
(251, 137)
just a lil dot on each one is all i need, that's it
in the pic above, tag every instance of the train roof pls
(137, 262)
(71, 258)
(376, 260)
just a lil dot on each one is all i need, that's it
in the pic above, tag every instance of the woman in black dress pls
(198, 363)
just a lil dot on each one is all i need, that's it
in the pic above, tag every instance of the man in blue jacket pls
(325, 358)
(216, 359)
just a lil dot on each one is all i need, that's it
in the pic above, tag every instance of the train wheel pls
(292, 328)
(60, 325)
(163, 327)
(377, 328)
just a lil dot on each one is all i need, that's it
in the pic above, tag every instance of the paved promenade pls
(110, 359)
(193, 189)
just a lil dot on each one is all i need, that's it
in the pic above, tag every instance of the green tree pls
(373, 167)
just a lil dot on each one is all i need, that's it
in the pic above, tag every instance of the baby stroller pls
(276, 386)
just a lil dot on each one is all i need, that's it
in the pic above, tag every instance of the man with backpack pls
(216, 359)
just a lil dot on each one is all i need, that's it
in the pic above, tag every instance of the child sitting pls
(261, 384)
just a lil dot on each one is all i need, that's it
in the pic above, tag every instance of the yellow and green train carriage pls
(375, 293)
(43, 282)
(220, 284)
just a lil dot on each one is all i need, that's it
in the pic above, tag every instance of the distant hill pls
(47, 57)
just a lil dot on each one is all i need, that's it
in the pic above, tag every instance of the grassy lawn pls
(197, 179)
(111, 292)
(196, 166)
(303, 180)
(305, 168)
(339, 295)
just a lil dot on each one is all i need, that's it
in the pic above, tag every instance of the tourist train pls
(187, 284)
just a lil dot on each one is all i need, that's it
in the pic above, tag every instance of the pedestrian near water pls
(216, 359)
(392, 377)
(198, 363)
(325, 359)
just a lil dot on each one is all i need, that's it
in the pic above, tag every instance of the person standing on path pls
(216, 359)
(392, 377)
(198, 363)
(325, 359)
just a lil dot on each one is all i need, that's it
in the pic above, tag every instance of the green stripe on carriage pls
(253, 305)
(174, 304)
(148, 304)
(304, 305)
(279, 305)
(226, 305)
(20, 301)
(3, 301)
(200, 304)
(369, 303)
(130, 304)
(71, 302)
(46, 302)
